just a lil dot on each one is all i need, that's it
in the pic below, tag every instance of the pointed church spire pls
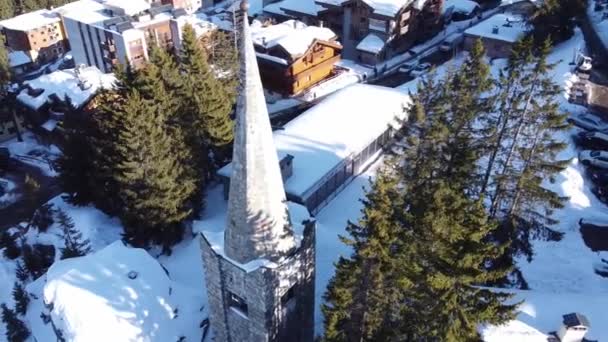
(258, 224)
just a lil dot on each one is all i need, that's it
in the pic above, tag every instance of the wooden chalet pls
(292, 56)
(398, 24)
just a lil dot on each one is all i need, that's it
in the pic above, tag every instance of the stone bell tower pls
(260, 272)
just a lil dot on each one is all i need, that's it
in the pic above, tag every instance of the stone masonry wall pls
(267, 318)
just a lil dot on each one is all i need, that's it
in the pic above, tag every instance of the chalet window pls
(377, 25)
(237, 303)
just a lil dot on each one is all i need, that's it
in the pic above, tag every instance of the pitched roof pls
(294, 36)
(258, 225)
(388, 8)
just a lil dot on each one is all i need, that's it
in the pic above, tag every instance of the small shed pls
(371, 50)
(574, 327)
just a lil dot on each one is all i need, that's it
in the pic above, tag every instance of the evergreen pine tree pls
(75, 164)
(511, 82)
(105, 124)
(43, 217)
(364, 289)
(6, 11)
(160, 85)
(554, 19)
(446, 263)
(21, 298)
(21, 272)
(5, 70)
(16, 330)
(206, 106)
(223, 57)
(531, 156)
(9, 243)
(74, 244)
(470, 104)
(149, 177)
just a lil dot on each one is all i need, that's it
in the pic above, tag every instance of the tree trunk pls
(520, 125)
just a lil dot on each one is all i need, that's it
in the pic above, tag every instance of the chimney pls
(495, 30)
(321, 23)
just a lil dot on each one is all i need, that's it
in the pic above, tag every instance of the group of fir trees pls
(556, 19)
(10, 8)
(152, 144)
(447, 217)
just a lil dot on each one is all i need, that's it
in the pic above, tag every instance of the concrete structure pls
(397, 23)
(498, 33)
(105, 33)
(34, 38)
(325, 147)
(293, 56)
(260, 270)
(190, 6)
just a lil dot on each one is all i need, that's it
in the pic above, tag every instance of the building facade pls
(260, 267)
(398, 24)
(106, 34)
(39, 35)
(293, 56)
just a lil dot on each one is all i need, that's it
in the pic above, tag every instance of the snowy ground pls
(32, 152)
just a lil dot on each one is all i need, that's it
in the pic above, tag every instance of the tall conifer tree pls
(206, 108)
(364, 289)
(150, 179)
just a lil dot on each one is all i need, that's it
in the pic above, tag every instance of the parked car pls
(593, 140)
(451, 42)
(421, 69)
(594, 158)
(408, 66)
(599, 177)
(588, 122)
(594, 233)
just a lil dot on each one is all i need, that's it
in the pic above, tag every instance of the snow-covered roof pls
(66, 83)
(199, 22)
(130, 7)
(371, 43)
(542, 313)
(388, 8)
(294, 36)
(460, 6)
(31, 20)
(299, 6)
(342, 124)
(510, 28)
(17, 58)
(84, 11)
(94, 298)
